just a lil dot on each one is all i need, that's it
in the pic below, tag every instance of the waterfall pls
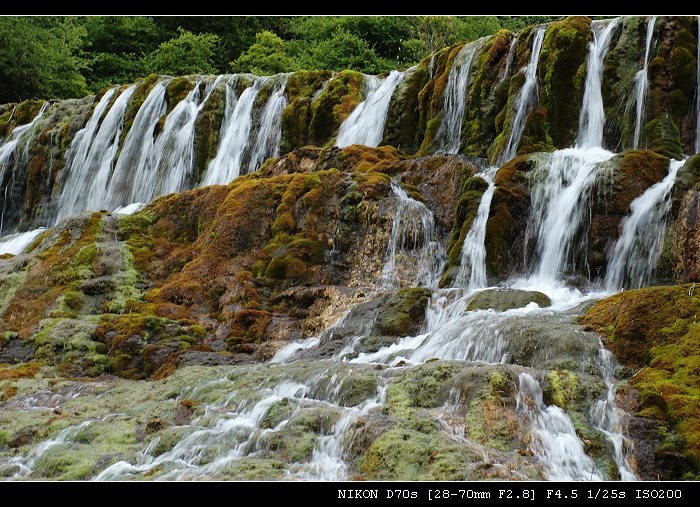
(509, 61)
(449, 134)
(641, 84)
(92, 159)
(15, 244)
(604, 415)
(414, 258)
(137, 152)
(365, 125)
(235, 130)
(554, 439)
(472, 269)
(592, 117)
(525, 98)
(98, 191)
(267, 143)
(559, 204)
(20, 138)
(637, 250)
(171, 167)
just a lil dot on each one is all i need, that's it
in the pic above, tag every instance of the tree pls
(344, 50)
(115, 48)
(266, 56)
(431, 33)
(40, 57)
(186, 54)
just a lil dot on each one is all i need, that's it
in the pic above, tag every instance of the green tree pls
(116, 46)
(186, 54)
(344, 50)
(266, 56)
(431, 33)
(40, 57)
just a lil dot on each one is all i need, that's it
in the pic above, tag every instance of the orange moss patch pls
(24, 370)
(657, 329)
(248, 327)
(57, 270)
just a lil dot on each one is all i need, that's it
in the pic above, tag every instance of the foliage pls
(344, 50)
(268, 55)
(61, 57)
(189, 53)
(431, 33)
(39, 57)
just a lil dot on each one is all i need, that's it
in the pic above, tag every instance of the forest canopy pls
(64, 57)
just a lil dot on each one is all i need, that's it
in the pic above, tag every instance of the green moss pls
(663, 137)
(402, 129)
(403, 313)
(403, 454)
(297, 116)
(176, 90)
(8, 287)
(506, 299)
(335, 104)
(655, 328)
(560, 388)
(21, 114)
(487, 97)
(467, 207)
(126, 280)
(563, 65)
(207, 129)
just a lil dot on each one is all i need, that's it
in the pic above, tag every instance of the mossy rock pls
(176, 90)
(335, 104)
(655, 329)
(472, 192)
(403, 313)
(296, 117)
(401, 128)
(506, 299)
(562, 66)
(663, 137)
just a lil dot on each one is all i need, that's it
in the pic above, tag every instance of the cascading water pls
(560, 199)
(145, 168)
(365, 125)
(605, 416)
(592, 116)
(554, 439)
(91, 153)
(246, 424)
(89, 188)
(414, 258)
(136, 154)
(509, 60)
(636, 252)
(16, 243)
(174, 149)
(472, 269)
(559, 204)
(641, 84)
(526, 96)
(14, 152)
(267, 143)
(234, 135)
(449, 134)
